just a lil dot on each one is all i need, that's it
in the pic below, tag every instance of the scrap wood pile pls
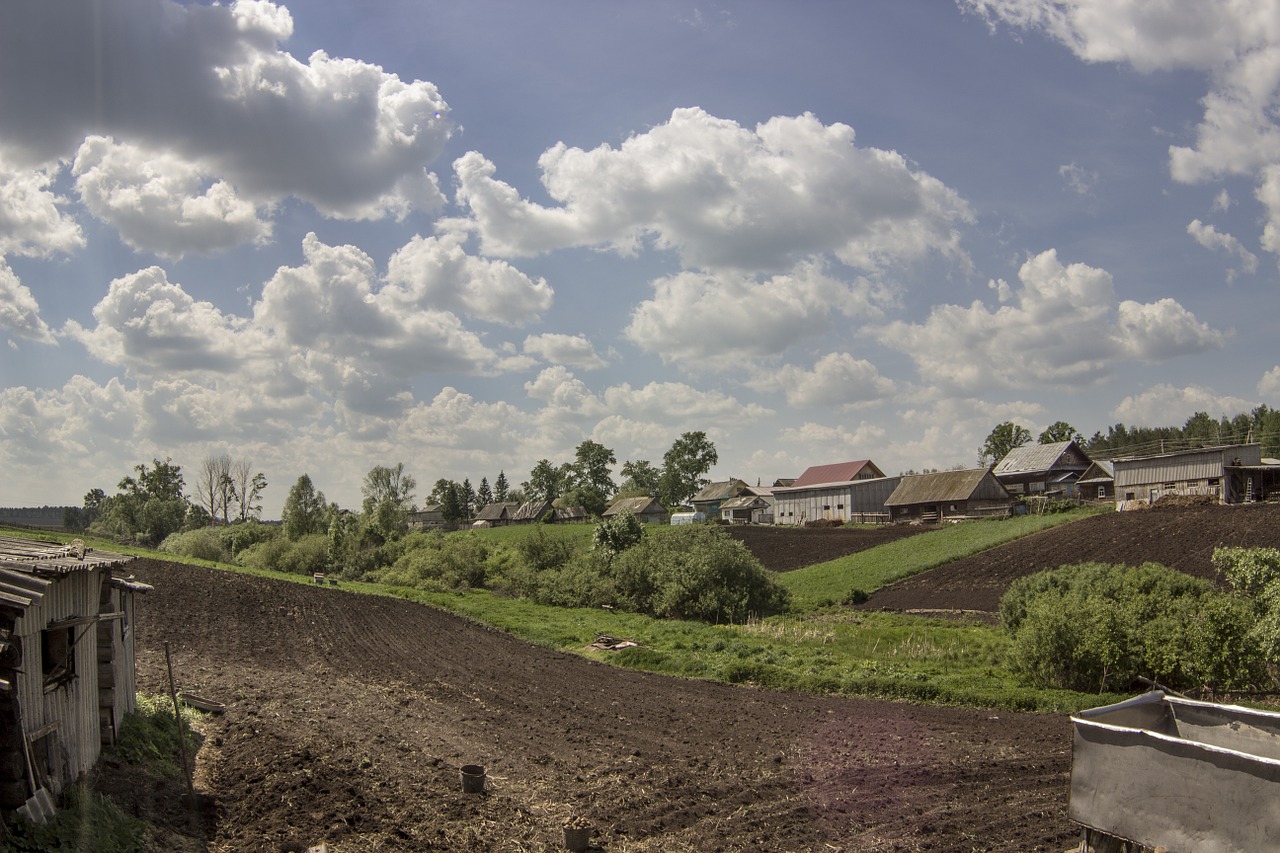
(605, 643)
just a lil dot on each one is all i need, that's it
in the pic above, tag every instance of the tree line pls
(1260, 426)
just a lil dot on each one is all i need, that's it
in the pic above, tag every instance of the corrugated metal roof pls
(22, 561)
(839, 472)
(1031, 458)
(943, 486)
(496, 511)
(745, 502)
(55, 557)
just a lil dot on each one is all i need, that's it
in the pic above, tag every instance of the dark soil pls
(784, 549)
(1180, 537)
(348, 718)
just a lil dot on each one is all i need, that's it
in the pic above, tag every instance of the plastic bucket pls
(472, 779)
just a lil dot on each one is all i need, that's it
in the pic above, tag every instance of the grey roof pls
(532, 510)
(23, 562)
(636, 506)
(946, 486)
(1031, 458)
(719, 491)
(497, 511)
(1099, 471)
(745, 502)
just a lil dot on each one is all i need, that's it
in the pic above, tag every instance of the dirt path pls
(348, 717)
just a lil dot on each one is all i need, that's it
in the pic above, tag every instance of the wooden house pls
(1098, 482)
(531, 512)
(429, 517)
(710, 497)
(747, 509)
(845, 491)
(1042, 469)
(647, 509)
(1233, 473)
(66, 662)
(949, 496)
(497, 514)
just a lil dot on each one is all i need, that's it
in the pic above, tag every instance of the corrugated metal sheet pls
(1031, 458)
(1200, 464)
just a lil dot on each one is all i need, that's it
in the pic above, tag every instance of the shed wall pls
(72, 708)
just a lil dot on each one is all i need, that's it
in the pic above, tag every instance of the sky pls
(332, 235)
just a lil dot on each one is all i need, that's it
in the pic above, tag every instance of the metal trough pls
(1163, 771)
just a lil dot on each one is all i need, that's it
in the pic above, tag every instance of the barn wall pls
(858, 500)
(74, 706)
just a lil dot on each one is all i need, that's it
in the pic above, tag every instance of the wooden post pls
(177, 717)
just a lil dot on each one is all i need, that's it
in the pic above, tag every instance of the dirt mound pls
(785, 549)
(1180, 537)
(348, 718)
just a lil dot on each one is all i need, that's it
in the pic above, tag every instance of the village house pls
(647, 509)
(949, 496)
(1098, 482)
(496, 514)
(710, 497)
(1042, 469)
(429, 517)
(844, 491)
(66, 664)
(1232, 473)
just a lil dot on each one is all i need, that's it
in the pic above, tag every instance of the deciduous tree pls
(1003, 438)
(684, 465)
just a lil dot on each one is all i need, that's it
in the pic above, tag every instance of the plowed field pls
(1181, 538)
(348, 717)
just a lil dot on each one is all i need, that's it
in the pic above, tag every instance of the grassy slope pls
(816, 647)
(825, 583)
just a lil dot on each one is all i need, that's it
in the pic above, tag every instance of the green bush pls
(202, 544)
(1094, 627)
(543, 551)
(434, 560)
(695, 572)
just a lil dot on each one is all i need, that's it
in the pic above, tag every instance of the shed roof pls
(27, 564)
(1099, 471)
(946, 486)
(839, 472)
(1031, 458)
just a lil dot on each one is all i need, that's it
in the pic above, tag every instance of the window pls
(57, 656)
(1102, 492)
(839, 506)
(826, 507)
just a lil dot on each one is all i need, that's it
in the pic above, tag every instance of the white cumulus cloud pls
(723, 197)
(1062, 328)
(32, 221)
(1213, 239)
(19, 311)
(571, 350)
(192, 83)
(837, 379)
(1167, 404)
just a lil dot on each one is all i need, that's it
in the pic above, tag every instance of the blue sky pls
(468, 236)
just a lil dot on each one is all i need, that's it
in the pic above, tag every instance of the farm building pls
(1098, 482)
(66, 662)
(846, 491)
(647, 509)
(498, 514)
(1040, 469)
(949, 495)
(1232, 473)
(747, 509)
(428, 517)
(530, 512)
(709, 499)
